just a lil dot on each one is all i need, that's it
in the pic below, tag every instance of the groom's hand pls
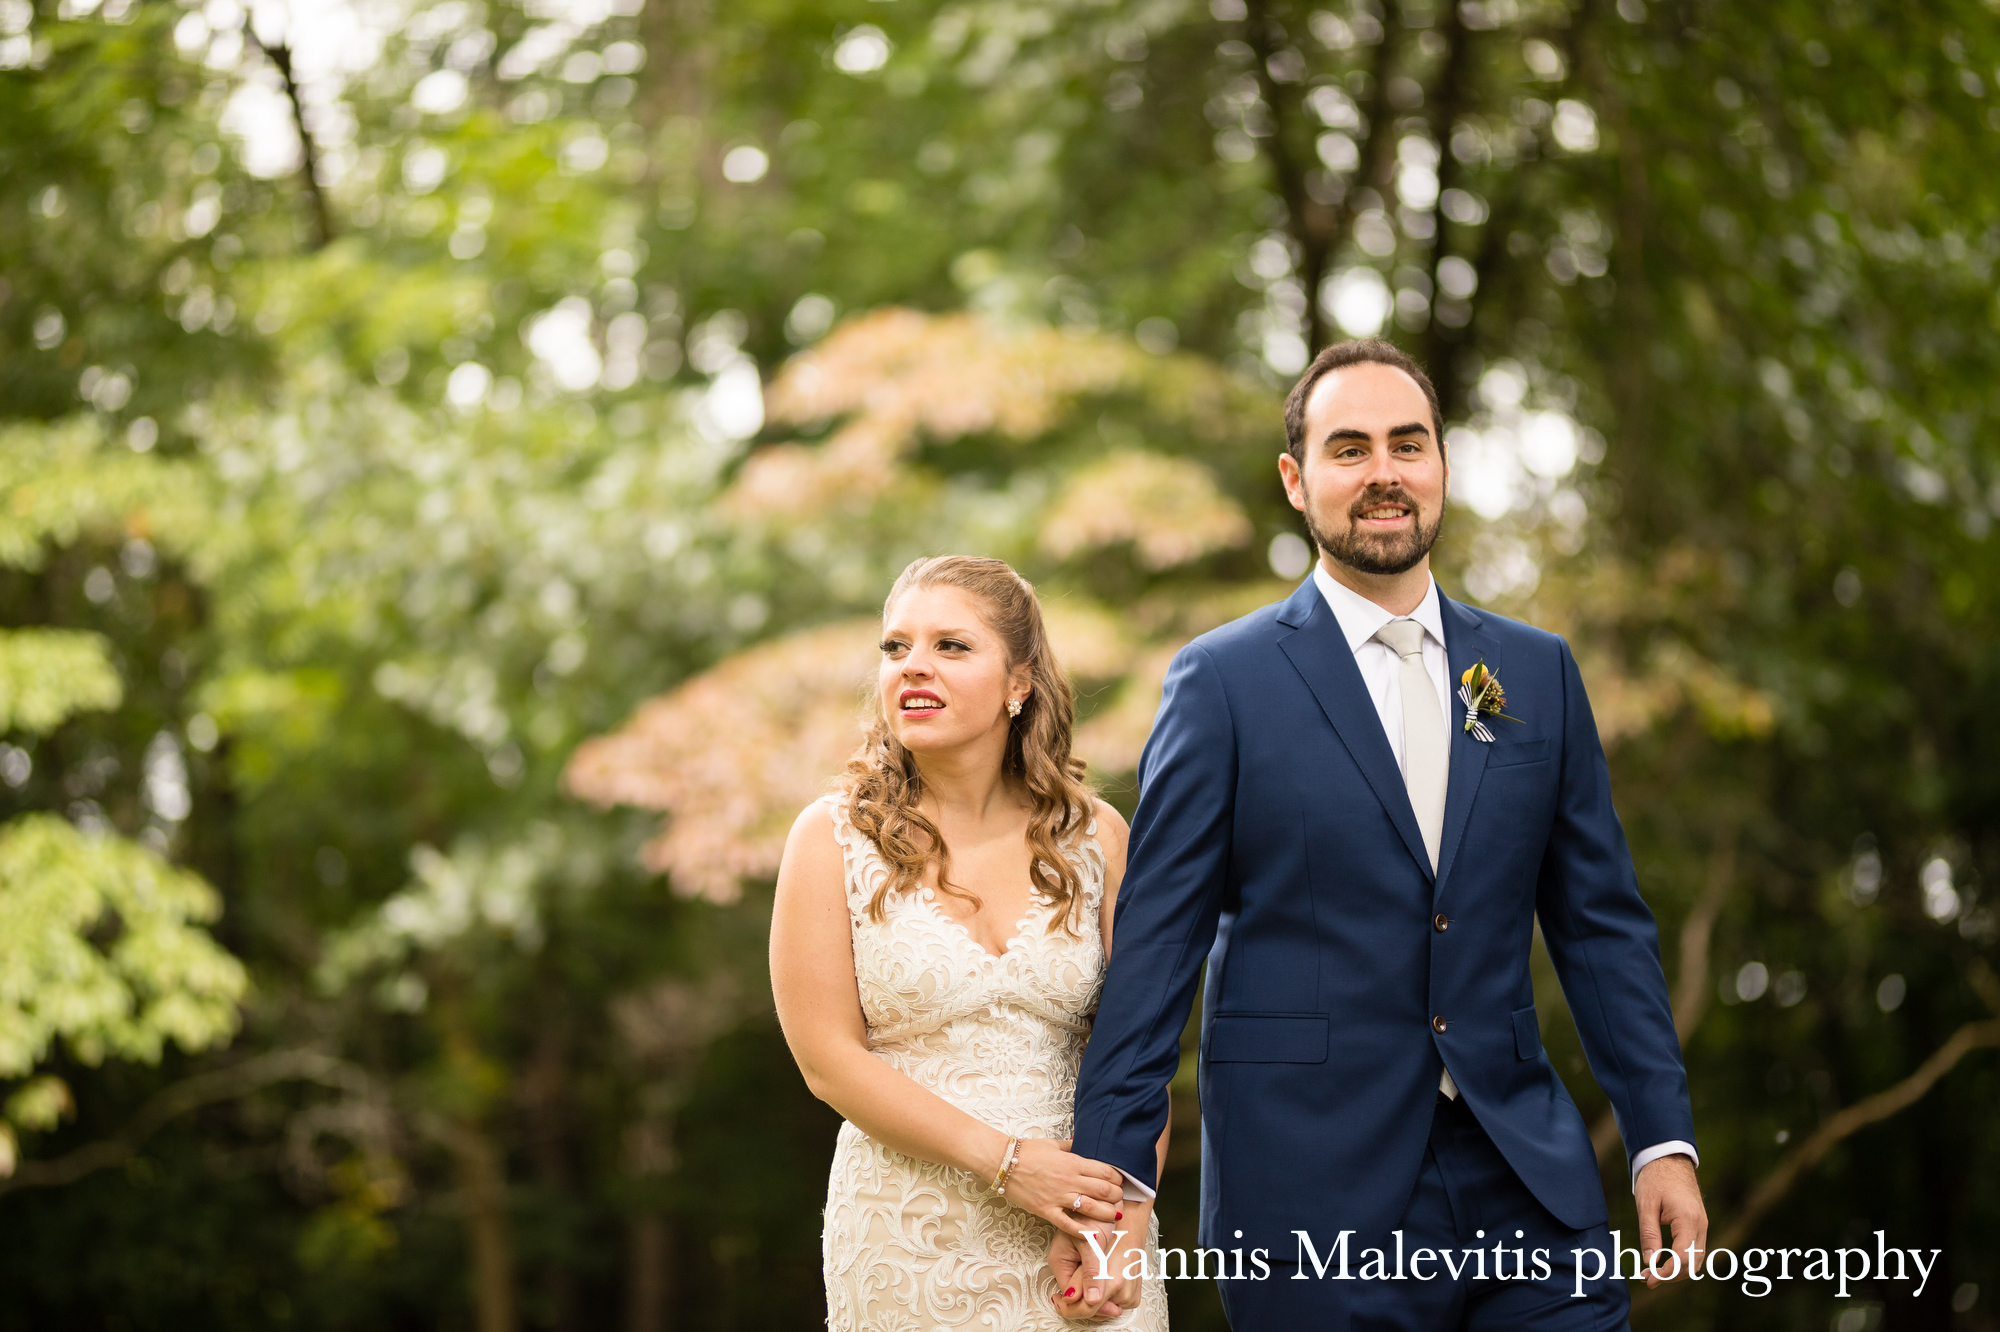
(1669, 1196)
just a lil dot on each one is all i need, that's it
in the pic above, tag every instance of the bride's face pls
(945, 680)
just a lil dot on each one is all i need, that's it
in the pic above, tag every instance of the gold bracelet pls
(1006, 1164)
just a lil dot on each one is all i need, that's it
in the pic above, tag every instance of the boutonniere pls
(1480, 690)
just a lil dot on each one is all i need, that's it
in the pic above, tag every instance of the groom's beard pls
(1377, 553)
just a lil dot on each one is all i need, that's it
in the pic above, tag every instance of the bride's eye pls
(891, 646)
(952, 645)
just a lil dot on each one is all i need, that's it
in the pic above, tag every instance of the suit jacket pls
(1274, 838)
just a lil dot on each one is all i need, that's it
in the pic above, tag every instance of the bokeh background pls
(450, 455)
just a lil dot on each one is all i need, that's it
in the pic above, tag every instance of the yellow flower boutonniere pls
(1482, 695)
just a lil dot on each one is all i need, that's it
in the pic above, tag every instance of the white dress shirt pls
(1360, 620)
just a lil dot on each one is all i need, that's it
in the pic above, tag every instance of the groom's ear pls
(1294, 479)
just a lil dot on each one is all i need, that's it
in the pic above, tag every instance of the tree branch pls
(1631, 354)
(192, 1094)
(1310, 222)
(1972, 1036)
(1320, 229)
(280, 55)
(1982, 1034)
(1984, 983)
(1447, 100)
(1691, 989)
(1378, 150)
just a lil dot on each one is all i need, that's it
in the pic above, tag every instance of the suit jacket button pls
(1438, 1023)
(1441, 921)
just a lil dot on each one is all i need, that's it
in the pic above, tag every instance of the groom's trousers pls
(1467, 1200)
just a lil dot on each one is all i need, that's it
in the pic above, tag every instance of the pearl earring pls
(1013, 707)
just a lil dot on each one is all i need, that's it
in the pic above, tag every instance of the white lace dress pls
(910, 1246)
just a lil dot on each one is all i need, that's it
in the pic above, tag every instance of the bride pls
(937, 945)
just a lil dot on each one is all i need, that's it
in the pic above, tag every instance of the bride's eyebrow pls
(969, 635)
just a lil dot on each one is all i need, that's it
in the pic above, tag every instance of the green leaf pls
(60, 481)
(41, 1103)
(103, 949)
(46, 675)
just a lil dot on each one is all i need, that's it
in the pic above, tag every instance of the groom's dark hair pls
(1355, 351)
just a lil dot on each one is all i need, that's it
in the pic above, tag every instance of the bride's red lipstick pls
(903, 703)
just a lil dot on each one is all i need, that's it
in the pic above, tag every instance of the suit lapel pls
(1465, 642)
(1318, 651)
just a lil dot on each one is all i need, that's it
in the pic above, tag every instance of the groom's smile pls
(1387, 516)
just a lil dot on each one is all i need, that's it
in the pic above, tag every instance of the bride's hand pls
(1080, 1294)
(1066, 1190)
(1090, 1279)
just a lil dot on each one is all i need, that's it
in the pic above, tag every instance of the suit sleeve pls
(1176, 871)
(1605, 946)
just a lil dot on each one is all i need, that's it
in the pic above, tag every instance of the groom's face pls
(1372, 485)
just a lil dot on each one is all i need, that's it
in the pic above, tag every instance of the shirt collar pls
(1359, 618)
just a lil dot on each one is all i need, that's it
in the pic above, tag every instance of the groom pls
(1363, 874)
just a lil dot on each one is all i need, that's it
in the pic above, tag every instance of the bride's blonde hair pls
(884, 787)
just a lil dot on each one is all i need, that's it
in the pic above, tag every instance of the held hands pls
(1082, 1293)
(1669, 1195)
(1049, 1181)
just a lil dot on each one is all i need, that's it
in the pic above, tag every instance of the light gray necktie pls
(1426, 738)
(1426, 749)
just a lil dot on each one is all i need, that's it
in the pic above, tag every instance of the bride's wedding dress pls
(909, 1245)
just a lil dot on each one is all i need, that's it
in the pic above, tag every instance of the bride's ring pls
(1077, 1206)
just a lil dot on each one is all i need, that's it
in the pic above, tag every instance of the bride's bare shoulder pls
(811, 845)
(1112, 831)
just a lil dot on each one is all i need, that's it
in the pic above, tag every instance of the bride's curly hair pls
(885, 789)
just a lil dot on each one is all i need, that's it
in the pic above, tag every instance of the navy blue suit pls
(1274, 839)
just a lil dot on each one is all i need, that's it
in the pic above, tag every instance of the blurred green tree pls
(457, 319)
(103, 949)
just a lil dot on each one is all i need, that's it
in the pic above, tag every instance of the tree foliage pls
(425, 430)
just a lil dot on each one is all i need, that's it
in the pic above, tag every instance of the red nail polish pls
(1119, 1217)
(1070, 1293)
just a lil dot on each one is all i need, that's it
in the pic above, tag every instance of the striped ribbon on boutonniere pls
(1479, 689)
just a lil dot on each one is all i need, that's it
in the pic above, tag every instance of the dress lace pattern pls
(910, 1246)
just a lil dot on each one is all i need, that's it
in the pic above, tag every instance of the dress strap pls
(843, 827)
(861, 863)
(1087, 854)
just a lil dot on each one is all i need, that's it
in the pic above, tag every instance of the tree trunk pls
(481, 1165)
(482, 1182)
(649, 1277)
(649, 1287)
(545, 1104)
(1318, 229)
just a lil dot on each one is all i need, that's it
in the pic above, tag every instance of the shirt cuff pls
(1135, 1191)
(1652, 1154)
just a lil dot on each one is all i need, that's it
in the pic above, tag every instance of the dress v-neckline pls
(1020, 935)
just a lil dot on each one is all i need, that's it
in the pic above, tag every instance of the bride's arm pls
(812, 979)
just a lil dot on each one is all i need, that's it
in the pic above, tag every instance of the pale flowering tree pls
(733, 753)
